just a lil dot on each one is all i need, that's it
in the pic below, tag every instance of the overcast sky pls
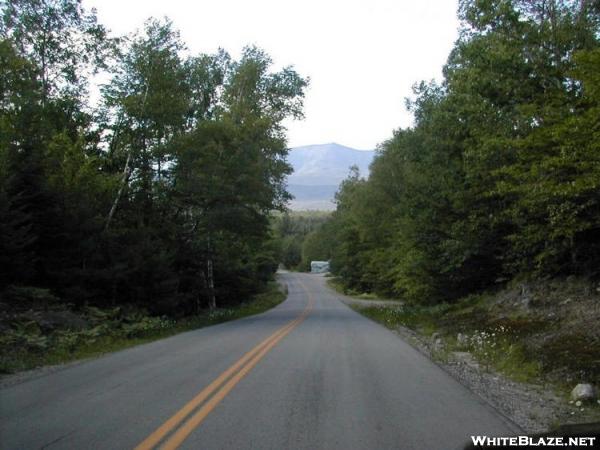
(362, 56)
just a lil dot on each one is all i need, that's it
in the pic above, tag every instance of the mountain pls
(318, 171)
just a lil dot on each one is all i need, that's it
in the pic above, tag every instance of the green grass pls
(67, 346)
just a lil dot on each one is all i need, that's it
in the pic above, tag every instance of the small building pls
(319, 266)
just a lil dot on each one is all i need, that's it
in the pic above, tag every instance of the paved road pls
(324, 378)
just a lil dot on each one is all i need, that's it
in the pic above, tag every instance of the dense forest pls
(158, 193)
(499, 177)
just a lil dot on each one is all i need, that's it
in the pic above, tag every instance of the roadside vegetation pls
(498, 179)
(48, 334)
(544, 332)
(338, 285)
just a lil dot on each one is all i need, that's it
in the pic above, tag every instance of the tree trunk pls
(212, 301)
(126, 169)
(124, 182)
(200, 295)
(198, 303)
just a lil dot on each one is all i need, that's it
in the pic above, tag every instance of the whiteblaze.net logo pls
(529, 441)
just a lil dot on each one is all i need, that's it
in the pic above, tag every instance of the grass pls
(34, 350)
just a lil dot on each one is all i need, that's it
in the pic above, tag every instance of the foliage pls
(539, 343)
(25, 345)
(161, 195)
(499, 176)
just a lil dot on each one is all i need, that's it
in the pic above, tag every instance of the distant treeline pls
(157, 195)
(294, 233)
(500, 175)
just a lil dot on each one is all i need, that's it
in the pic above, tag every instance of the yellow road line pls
(188, 427)
(242, 366)
(178, 417)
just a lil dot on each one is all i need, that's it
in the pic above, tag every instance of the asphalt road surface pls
(308, 374)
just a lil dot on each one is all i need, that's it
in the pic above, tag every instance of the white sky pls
(362, 56)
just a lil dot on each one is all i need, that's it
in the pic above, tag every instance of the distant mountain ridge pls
(318, 171)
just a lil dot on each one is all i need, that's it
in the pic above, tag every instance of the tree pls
(64, 40)
(230, 171)
(149, 99)
(49, 49)
(162, 196)
(497, 177)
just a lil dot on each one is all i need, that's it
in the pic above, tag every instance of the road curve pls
(308, 374)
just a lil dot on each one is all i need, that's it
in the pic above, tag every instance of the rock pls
(437, 343)
(584, 392)
(465, 358)
(525, 298)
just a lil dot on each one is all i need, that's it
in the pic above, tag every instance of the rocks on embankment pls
(584, 392)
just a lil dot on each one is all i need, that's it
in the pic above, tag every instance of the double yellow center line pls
(216, 391)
